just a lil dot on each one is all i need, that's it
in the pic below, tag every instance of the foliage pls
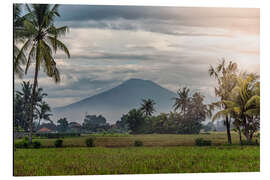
(36, 144)
(202, 142)
(138, 143)
(147, 107)
(90, 142)
(58, 143)
(95, 123)
(62, 125)
(244, 105)
(56, 135)
(22, 106)
(226, 76)
(135, 120)
(41, 42)
(252, 143)
(22, 143)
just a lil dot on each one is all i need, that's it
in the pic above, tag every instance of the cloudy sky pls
(171, 46)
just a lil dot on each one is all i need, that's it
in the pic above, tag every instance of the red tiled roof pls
(44, 130)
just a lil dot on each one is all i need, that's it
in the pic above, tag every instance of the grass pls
(149, 140)
(135, 160)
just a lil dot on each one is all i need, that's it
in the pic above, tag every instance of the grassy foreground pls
(135, 160)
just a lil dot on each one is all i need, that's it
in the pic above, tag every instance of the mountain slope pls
(119, 100)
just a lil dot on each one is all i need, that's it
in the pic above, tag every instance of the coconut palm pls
(182, 101)
(226, 78)
(43, 113)
(244, 105)
(42, 42)
(147, 107)
(19, 35)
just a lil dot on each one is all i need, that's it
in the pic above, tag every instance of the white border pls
(6, 84)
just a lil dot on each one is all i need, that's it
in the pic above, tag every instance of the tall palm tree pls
(226, 78)
(147, 107)
(42, 42)
(244, 105)
(182, 101)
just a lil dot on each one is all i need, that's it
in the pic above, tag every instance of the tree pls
(42, 41)
(135, 120)
(244, 105)
(147, 107)
(62, 124)
(22, 106)
(226, 78)
(182, 101)
(95, 123)
(192, 111)
(19, 36)
(43, 113)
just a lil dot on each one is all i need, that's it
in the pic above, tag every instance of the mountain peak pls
(119, 100)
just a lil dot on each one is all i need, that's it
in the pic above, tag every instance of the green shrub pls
(58, 143)
(90, 142)
(21, 144)
(56, 135)
(138, 143)
(26, 138)
(36, 144)
(202, 142)
(252, 143)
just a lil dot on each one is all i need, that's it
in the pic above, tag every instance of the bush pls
(57, 135)
(202, 142)
(58, 143)
(138, 143)
(22, 144)
(90, 142)
(36, 144)
(252, 143)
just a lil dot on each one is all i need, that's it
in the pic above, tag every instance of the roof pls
(44, 130)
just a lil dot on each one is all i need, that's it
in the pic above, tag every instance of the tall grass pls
(132, 160)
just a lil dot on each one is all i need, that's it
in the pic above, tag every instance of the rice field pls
(114, 154)
(135, 160)
(149, 140)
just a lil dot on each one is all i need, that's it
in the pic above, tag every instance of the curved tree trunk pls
(32, 103)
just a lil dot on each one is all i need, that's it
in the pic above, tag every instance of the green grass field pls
(135, 160)
(116, 155)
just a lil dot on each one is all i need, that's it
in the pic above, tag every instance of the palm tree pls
(182, 101)
(42, 112)
(42, 42)
(244, 105)
(226, 77)
(19, 36)
(147, 107)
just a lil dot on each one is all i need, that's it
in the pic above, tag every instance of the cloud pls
(158, 19)
(170, 46)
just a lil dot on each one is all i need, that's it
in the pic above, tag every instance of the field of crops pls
(135, 160)
(118, 140)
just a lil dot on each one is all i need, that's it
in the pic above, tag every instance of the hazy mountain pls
(112, 104)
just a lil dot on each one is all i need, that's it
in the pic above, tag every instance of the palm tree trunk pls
(32, 103)
(240, 135)
(228, 130)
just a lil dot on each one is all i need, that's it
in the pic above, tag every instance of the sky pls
(172, 46)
